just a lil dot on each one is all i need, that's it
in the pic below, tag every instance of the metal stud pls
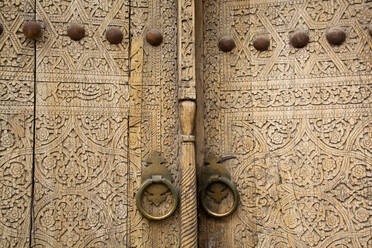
(1, 29)
(76, 31)
(299, 38)
(154, 37)
(114, 35)
(32, 30)
(226, 44)
(336, 35)
(261, 42)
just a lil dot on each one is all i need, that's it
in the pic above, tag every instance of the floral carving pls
(69, 218)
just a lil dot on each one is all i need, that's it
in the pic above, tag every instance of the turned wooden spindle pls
(189, 231)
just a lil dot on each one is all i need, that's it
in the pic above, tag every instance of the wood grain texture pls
(297, 120)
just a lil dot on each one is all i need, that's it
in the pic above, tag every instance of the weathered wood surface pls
(298, 120)
(100, 110)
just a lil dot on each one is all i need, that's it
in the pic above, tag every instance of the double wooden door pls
(79, 119)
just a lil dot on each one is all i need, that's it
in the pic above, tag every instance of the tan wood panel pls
(298, 120)
(16, 123)
(154, 116)
(82, 109)
(101, 110)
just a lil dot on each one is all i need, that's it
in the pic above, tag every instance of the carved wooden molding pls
(186, 49)
(189, 223)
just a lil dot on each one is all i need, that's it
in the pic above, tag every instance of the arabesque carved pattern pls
(298, 120)
(83, 157)
(16, 123)
(82, 116)
(15, 177)
(186, 51)
(282, 61)
(153, 113)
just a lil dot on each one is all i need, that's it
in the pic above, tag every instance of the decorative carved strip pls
(189, 210)
(138, 225)
(186, 49)
(186, 90)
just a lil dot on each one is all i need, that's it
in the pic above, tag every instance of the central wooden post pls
(188, 175)
(187, 109)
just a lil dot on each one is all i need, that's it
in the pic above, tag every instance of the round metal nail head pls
(76, 31)
(336, 35)
(226, 44)
(299, 38)
(261, 43)
(114, 35)
(32, 30)
(154, 37)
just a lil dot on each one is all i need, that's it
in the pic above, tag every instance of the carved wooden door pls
(78, 118)
(298, 121)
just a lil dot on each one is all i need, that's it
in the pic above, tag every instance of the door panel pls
(298, 120)
(82, 109)
(100, 110)
(16, 123)
(153, 115)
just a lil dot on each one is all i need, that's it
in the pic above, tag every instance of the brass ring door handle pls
(160, 180)
(156, 181)
(227, 182)
(214, 173)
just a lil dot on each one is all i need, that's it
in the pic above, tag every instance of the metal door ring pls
(145, 185)
(228, 183)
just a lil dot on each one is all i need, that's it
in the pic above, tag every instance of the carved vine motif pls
(83, 154)
(15, 175)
